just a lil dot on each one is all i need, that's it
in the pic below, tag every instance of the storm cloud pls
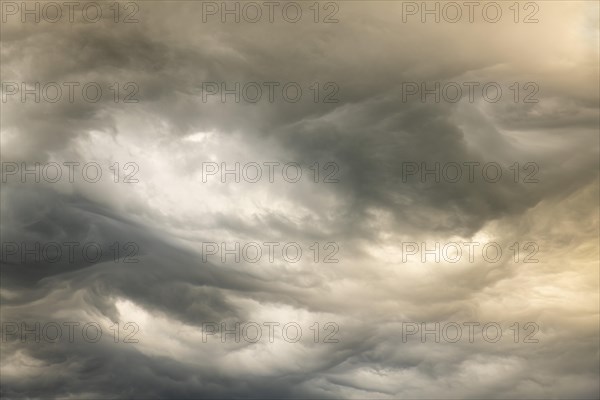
(374, 136)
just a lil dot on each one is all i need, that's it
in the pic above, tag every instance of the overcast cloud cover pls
(370, 133)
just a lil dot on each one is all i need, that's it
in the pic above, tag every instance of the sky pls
(324, 200)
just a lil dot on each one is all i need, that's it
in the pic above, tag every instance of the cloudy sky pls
(394, 200)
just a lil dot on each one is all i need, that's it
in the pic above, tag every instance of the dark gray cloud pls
(373, 132)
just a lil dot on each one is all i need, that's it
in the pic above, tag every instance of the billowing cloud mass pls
(441, 241)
